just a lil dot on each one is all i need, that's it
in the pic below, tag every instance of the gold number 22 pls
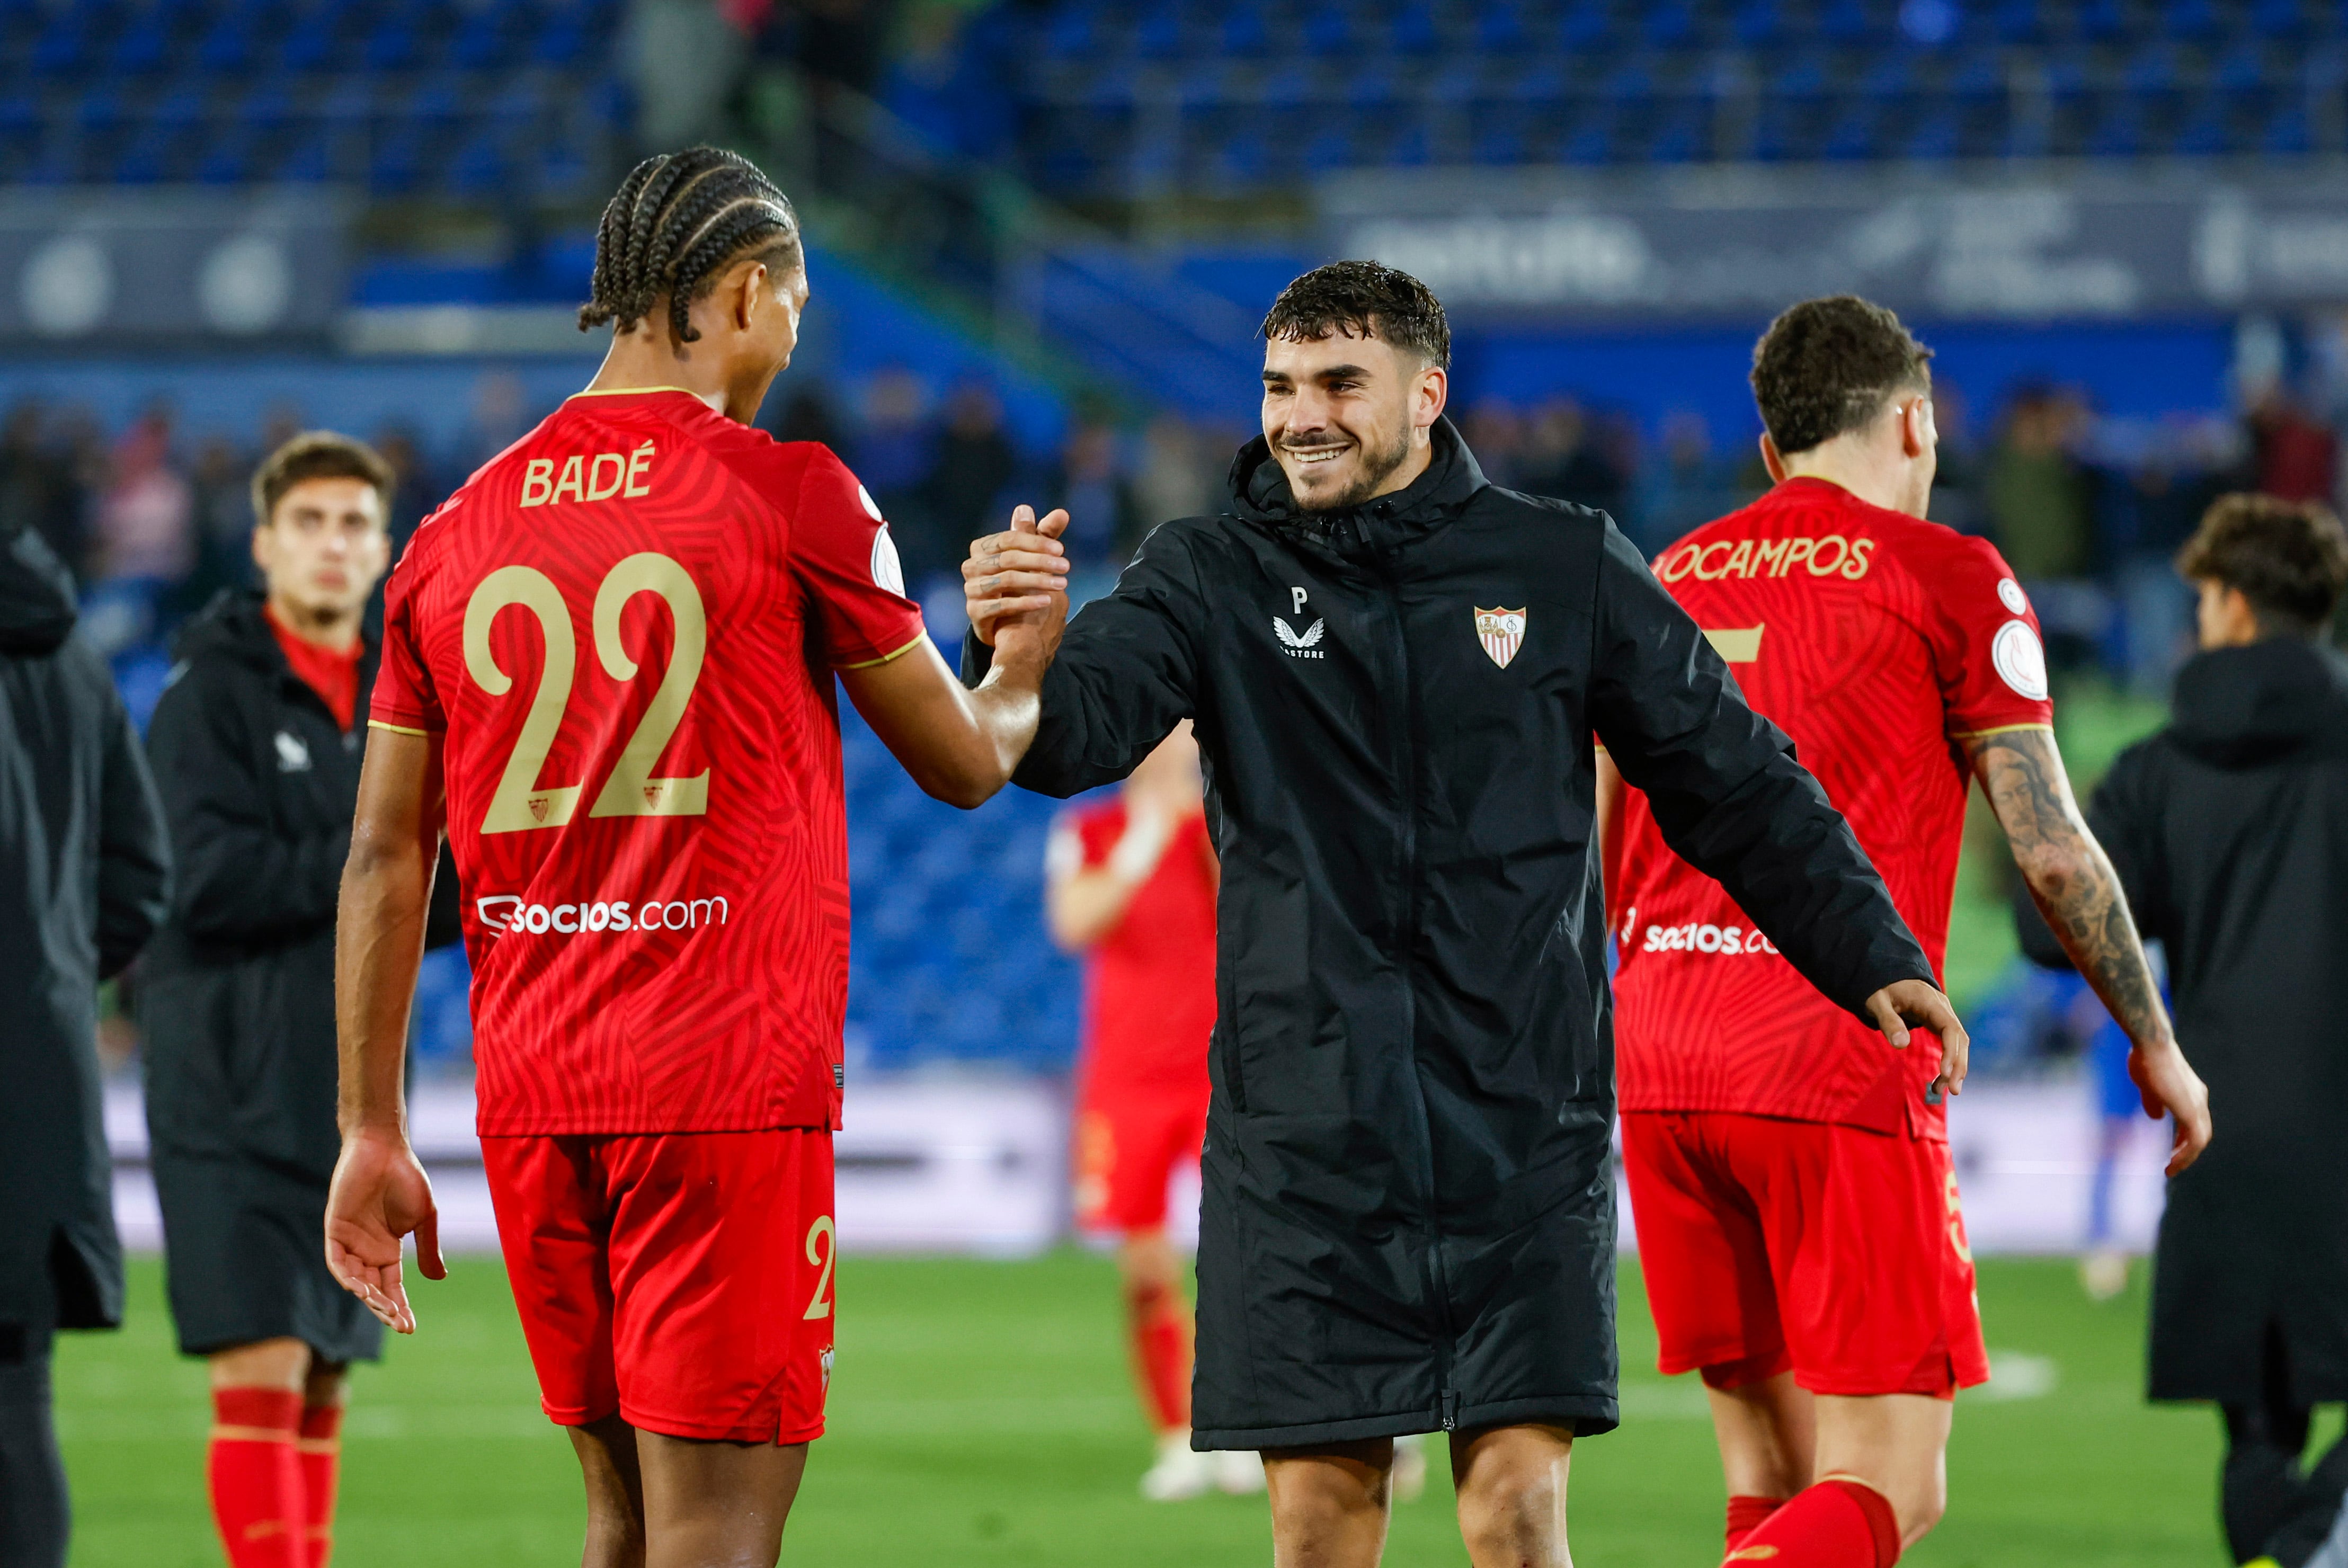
(822, 1247)
(519, 803)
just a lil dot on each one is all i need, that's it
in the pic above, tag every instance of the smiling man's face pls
(1348, 415)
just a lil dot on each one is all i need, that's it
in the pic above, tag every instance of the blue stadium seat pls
(2020, 22)
(2193, 21)
(1935, 140)
(2104, 21)
(2120, 133)
(485, 41)
(308, 160)
(1668, 24)
(1413, 31)
(2287, 134)
(1592, 139)
(1854, 134)
(141, 49)
(1760, 25)
(1682, 136)
(562, 37)
(2203, 134)
(2241, 68)
(1072, 33)
(1500, 30)
(1852, 23)
(1588, 27)
(391, 46)
(2280, 18)
(227, 47)
(63, 49)
(228, 160)
(1243, 33)
(1158, 34)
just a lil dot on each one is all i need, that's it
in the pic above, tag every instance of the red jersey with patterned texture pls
(625, 628)
(1878, 642)
(1149, 983)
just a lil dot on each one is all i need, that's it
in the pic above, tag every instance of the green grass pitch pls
(981, 1414)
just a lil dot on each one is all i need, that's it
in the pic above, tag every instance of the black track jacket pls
(1408, 1216)
(259, 784)
(85, 875)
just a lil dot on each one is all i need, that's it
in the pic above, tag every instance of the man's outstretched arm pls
(2075, 888)
(961, 745)
(1732, 801)
(380, 1193)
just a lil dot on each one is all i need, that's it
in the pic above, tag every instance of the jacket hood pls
(231, 625)
(1260, 493)
(2238, 707)
(36, 596)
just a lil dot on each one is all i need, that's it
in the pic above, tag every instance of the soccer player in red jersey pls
(1131, 885)
(1797, 1215)
(608, 667)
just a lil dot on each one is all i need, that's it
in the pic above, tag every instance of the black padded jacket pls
(1408, 1215)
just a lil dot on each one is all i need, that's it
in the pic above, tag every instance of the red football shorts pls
(1838, 1252)
(682, 1279)
(1128, 1147)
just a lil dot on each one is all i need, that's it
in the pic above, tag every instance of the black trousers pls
(35, 1517)
(2271, 1505)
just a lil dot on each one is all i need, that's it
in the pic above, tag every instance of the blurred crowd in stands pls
(2089, 509)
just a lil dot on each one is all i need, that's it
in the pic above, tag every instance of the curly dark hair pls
(317, 455)
(675, 224)
(1828, 365)
(1365, 299)
(2289, 558)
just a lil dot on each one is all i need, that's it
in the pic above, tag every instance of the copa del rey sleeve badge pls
(1503, 633)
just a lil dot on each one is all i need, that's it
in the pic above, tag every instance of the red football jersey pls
(1149, 983)
(625, 627)
(1877, 641)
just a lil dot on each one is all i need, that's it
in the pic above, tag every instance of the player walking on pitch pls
(1797, 1215)
(1131, 886)
(1394, 668)
(608, 666)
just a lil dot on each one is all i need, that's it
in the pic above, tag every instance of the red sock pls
(1745, 1514)
(256, 1481)
(321, 1448)
(1834, 1525)
(1161, 1354)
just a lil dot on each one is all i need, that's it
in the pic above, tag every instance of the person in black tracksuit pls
(259, 774)
(1408, 1218)
(85, 877)
(2230, 832)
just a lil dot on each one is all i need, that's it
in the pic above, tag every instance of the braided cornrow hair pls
(672, 229)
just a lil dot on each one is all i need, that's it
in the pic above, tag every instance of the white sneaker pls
(1180, 1473)
(1409, 1468)
(1239, 1471)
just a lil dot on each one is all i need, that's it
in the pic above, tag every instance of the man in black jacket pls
(1395, 671)
(2230, 832)
(258, 760)
(84, 880)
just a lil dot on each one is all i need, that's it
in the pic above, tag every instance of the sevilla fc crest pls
(1503, 633)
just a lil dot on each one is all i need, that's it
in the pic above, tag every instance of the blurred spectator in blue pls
(1104, 520)
(146, 520)
(1564, 455)
(39, 488)
(807, 415)
(1181, 472)
(223, 522)
(892, 453)
(1683, 488)
(943, 81)
(501, 416)
(1495, 434)
(971, 465)
(1957, 478)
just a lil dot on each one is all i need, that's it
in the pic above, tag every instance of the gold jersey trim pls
(889, 658)
(628, 392)
(400, 729)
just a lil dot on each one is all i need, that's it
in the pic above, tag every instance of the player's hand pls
(2171, 1088)
(1906, 1002)
(1019, 572)
(379, 1195)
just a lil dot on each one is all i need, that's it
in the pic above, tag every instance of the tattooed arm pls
(2072, 880)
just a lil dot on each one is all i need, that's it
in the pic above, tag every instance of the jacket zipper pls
(1408, 768)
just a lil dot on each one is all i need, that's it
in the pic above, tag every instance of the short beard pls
(1375, 468)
